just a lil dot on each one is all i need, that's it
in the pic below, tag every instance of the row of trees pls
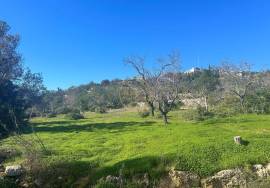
(20, 89)
(96, 97)
(224, 90)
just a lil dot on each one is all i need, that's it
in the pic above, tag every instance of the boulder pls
(183, 179)
(114, 180)
(226, 179)
(261, 171)
(15, 170)
(267, 167)
(141, 180)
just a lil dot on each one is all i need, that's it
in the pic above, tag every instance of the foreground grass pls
(105, 144)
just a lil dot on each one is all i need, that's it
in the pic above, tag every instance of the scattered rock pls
(183, 179)
(141, 180)
(38, 182)
(17, 181)
(2, 174)
(261, 171)
(226, 179)
(267, 167)
(60, 178)
(15, 170)
(114, 180)
(25, 185)
(145, 180)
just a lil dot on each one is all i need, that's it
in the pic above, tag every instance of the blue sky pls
(74, 42)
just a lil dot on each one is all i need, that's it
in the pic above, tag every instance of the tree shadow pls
(228, 120)
(244, 142)
(67, 126)
(87, 174)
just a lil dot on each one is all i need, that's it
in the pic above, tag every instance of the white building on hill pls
(193, 70)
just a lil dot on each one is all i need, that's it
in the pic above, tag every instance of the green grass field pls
(104, 144)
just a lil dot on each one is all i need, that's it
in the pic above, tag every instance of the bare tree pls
(144, 82)
(160, 85)
(167, 84)
(238, 80)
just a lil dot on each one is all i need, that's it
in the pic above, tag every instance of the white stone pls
(184, 179)
(225, 178)
(15, 170)
(260, 170)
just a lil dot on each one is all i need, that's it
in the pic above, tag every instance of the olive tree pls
(167, 84)
(239, 81)
(144, 81)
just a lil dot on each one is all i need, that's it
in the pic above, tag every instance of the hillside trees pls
(18, 86)
(239, 81)
(203, 84)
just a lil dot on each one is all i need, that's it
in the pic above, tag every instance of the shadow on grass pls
(229, 120)
(67, 126)
(86, 174)
(244, 142)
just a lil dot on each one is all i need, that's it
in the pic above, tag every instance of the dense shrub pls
(52, 115)
(258, 102)
(100, 110)
(64, 110)
(144, 113)
(75, 116)
(133, 104)
(177, 105)
(7, 183)
(229, 106)
(198, 114)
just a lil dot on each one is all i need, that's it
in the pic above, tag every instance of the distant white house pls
(193, 70)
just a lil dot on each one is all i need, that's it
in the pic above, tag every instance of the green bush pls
(258, 102)
(52, 115)
(133, 104)
(144, 113)
(75, 116)
(227, 108)
(198, 114)
(100, 110)
(4, 183)
(65, 110)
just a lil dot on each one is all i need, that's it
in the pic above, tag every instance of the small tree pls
(167, 84)
(238, 80)
(33, 89)
(144, 82)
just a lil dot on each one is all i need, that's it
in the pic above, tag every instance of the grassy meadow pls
(83, 151)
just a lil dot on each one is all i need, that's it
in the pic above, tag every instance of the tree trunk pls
(206, 103)
(242, 104)
(152, 108)
(31, 113)
(165, 118)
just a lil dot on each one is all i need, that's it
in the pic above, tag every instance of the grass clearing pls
(104, 144)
